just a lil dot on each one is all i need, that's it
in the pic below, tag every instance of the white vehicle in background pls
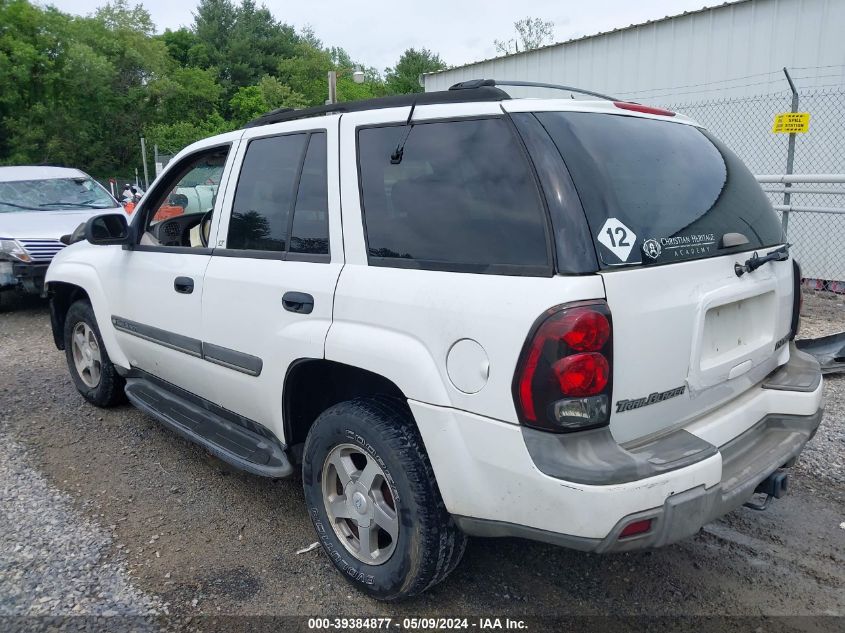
(38, 206)
(457, 313)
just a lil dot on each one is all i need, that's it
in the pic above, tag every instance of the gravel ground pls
(204, 540)
(53, 559)
(823, 313)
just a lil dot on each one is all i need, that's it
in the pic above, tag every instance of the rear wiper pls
(87, 203)
(755, 261)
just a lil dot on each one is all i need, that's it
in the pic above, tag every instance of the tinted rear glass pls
(463, 198)
(265, 193)
(657, 191)
(310, 232)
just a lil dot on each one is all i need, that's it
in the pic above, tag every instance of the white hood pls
(45, 224)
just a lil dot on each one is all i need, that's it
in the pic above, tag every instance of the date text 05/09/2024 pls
(478, 623)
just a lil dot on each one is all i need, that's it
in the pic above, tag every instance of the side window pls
(265, 193)
(310, 233)
(181, 206)
(462, 198)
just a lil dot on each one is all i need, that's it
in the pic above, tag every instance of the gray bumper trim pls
(801, 373)
(497, 529)
(594, 457)
(772, 443)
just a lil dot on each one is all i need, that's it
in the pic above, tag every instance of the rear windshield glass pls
(659, 192)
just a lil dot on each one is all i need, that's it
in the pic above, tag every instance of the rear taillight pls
(638, 107)
(563, 378)
(582, 374)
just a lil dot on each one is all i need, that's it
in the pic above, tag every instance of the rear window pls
(265, 193)
(463, 198)
(657, 191)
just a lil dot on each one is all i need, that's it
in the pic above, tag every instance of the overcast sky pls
(375, 32)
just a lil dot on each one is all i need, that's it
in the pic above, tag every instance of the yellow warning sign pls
(791, 123)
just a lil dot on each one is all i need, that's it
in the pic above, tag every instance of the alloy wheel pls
(360, 504)
(86, 354)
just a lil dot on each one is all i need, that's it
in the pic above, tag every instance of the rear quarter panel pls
(403, 323)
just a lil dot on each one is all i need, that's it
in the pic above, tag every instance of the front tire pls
(93, 374)
(374, 501)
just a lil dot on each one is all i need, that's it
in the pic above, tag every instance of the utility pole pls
(332, 88)
(144, 158)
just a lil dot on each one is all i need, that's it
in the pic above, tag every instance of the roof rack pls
(474, 84)
(465, 91)
(480, 93)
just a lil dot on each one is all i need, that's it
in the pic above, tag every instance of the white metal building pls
(732, 50)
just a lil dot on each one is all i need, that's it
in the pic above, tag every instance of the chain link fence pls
(160, 160)
(813, 213)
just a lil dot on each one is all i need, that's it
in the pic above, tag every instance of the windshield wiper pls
(86, 203)
(20, 206)
(755, 261)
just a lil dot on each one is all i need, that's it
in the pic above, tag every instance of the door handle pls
(183, 285)
(300, 302)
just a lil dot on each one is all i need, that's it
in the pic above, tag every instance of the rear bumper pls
(493, 485)
(773, 443)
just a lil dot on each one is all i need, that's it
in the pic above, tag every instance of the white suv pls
(460, 313)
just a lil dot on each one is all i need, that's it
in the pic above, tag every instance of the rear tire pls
(93, 373)
(390, 497)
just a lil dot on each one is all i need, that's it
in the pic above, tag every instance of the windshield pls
(54, 194)
(658, 192)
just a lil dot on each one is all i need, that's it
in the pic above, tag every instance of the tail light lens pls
(563, 378)
(582, 374)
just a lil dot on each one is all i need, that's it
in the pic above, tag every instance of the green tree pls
(72, 89)
(185, 94)
(403, 78)
(119, 15)
(269, 94)
(531, 33)
(307, 73)
(243, 43)
(172, 137)
(213, 23)
(182, 46)
(80, 91)
(277, 95)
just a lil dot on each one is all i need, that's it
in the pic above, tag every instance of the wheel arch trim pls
(85, 278)
(372, 383)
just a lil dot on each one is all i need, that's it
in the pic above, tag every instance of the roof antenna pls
(396, 156)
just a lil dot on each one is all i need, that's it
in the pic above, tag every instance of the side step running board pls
(230, 442)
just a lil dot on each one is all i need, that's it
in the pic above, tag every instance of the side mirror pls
(110, 228)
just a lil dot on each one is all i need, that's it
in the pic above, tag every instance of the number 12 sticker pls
(618, 238)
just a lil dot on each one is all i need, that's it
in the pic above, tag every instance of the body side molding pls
(223, 356)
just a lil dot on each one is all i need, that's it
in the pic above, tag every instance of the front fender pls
(84, 275)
